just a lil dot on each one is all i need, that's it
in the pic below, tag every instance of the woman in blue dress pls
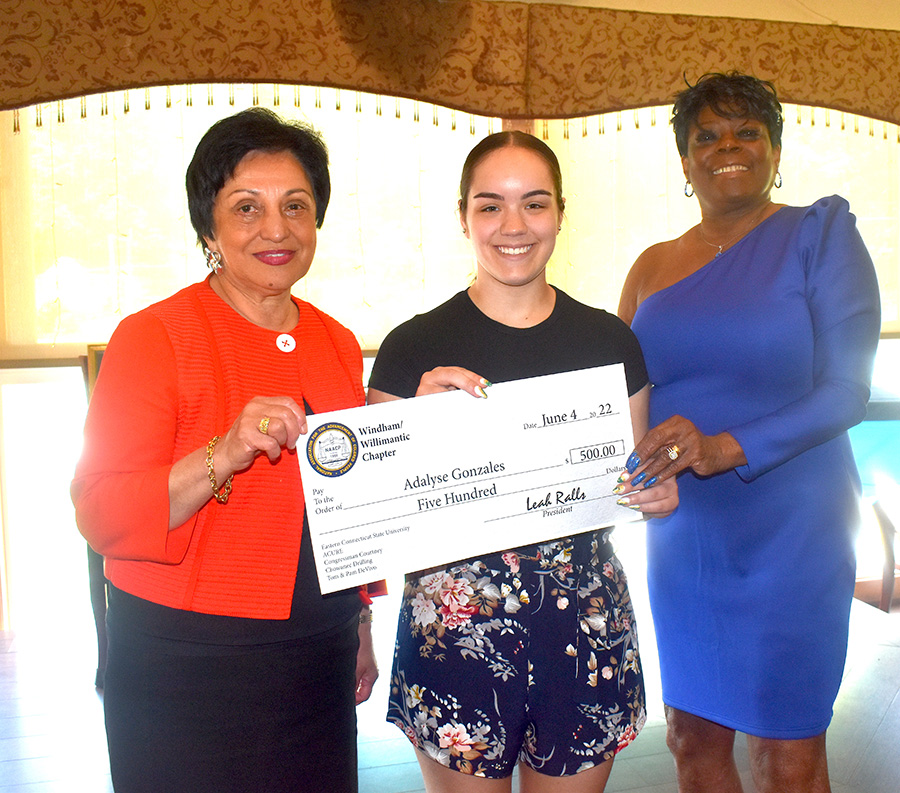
(759, 326)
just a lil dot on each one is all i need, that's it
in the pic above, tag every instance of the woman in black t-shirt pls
(527, 656)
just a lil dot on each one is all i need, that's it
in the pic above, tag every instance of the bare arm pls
(651, 460)
(366, 666)
(374, 396)
(636, 286)
(628, 298)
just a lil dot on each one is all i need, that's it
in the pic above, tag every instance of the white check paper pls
(411, 484)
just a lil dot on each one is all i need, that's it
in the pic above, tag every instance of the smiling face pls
(730, 160)
(512, 216)
(264, 220)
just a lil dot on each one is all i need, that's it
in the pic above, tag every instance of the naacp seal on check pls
(332, 449)
(411, 484)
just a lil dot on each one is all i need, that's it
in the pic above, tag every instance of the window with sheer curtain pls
(94, 224)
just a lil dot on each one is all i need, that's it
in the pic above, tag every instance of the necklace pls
(741, 233)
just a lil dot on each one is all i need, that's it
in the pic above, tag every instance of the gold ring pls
(673, 451)
(264, 425)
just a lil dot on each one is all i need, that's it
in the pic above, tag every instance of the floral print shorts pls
(526, 655)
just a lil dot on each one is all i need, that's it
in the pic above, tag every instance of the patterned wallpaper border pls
(510, 59)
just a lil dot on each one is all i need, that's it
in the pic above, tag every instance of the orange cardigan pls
(173, 376)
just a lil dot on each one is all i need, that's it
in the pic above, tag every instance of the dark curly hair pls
(228, 141)
(730, 95)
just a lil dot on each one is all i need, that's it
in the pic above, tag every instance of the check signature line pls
(582, 503)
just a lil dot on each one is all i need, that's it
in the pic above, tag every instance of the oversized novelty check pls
(416, 483)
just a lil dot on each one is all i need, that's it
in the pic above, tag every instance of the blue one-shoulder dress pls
(751, 578)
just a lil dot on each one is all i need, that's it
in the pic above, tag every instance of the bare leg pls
(591, 781)
(440, 779)
(703, 752)
(796, 765)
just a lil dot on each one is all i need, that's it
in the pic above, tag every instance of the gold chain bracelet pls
(221, 495)
(365, 616)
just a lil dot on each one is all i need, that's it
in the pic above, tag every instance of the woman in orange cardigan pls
(228, 669)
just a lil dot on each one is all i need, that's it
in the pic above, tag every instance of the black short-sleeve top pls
(457, 333)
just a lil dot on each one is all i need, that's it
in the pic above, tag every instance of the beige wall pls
(878, 14)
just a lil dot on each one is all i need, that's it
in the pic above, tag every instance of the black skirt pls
(182, 717)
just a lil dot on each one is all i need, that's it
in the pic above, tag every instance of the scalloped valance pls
(509, 59)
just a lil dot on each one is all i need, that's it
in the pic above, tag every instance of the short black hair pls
(500, 140)
(730, 95)
(228, 141)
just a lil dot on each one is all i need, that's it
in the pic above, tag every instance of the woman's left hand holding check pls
(677, 444)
